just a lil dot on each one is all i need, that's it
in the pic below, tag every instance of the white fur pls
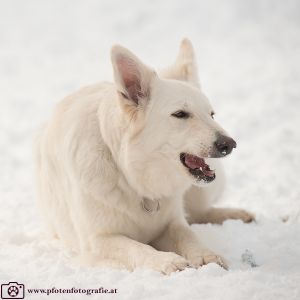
(109, 146)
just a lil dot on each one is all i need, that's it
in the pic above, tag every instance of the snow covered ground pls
(249, 63)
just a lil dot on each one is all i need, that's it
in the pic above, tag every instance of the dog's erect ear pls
(185, 66)
(132, 77)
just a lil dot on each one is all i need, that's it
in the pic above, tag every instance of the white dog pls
(118, 162)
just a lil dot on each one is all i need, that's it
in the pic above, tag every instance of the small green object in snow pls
(247, 258)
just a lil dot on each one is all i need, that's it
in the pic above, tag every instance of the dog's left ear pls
(185, 66)
(132, 77)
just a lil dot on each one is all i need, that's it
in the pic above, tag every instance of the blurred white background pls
(249, 64)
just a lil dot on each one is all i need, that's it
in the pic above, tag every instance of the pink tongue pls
(208, 172)
(194, 162)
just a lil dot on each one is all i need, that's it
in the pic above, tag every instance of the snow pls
(249, 63)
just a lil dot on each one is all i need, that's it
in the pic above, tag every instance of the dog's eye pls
(181, 114)
(212, 114)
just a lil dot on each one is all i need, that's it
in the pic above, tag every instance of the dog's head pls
(169, 126)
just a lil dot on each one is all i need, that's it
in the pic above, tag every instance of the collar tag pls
(150, 206)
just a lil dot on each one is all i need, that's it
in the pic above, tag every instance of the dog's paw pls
(241, 214)
(216, 215)
(207, 257)
(168, 262)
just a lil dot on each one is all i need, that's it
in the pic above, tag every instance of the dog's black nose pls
(224, 145)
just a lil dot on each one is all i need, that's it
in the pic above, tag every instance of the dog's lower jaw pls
(197, 167)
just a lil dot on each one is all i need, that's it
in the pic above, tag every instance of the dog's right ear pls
(132, 77)
(185, 66)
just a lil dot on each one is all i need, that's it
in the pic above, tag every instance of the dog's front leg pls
(120, 250)
(179, 238)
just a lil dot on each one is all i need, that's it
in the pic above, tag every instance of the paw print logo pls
(13, 291)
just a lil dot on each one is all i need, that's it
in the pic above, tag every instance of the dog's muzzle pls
(223, 146)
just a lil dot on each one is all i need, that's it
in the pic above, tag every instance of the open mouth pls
(197, 167)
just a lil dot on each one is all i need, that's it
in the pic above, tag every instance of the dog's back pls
(69, 140)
